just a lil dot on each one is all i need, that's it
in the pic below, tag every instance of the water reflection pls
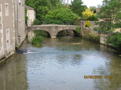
(61, 65)
(13, 74)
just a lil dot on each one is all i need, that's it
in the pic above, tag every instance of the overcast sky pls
(89, 2)
(92, 2)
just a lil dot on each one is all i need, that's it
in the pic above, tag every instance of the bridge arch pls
(73, 32)
(52, 29)
(42, 32)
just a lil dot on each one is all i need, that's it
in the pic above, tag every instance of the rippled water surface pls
(61, 64)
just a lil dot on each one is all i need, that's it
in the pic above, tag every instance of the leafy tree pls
(115, 40)
(42, 7)
(88, 13)
(110, 10)
(62, 14)
(92, 8)
(77, 7)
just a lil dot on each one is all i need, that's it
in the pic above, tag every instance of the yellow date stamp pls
(98, 77)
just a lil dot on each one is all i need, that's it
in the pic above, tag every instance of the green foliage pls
(61, 15)
(77, 7)
(87, 13)
(115, 40)
(92, 18)
(42, 7)
(92, 37)
(78, 30)
(92, 8)
(36, 22)
(41, 33)
(26, 17)
(110, 9)
(36, 40)
(87, 24)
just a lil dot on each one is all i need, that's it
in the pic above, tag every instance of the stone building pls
(19, 10)
(7, 28)
(31, 15)
(12, 26)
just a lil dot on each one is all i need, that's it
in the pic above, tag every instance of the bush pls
(37, 40)
(78, 30)
(92, 18)
(61, 15)
(87, 13)
(87, 24)
(94, 37)
(115, 40)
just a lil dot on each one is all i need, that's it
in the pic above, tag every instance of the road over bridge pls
(52, 29)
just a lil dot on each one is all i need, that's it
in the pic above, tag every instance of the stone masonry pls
(52, 29)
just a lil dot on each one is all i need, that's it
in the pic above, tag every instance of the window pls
(6, 9)
(19, 1)
(7, 36)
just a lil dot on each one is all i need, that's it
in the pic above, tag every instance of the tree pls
(42, 7)
(110, 10)
(62, 14)
(92, 8)
(87, 13)
(77, 7)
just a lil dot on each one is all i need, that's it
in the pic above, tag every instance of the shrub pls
(87, 13)
(87, 24)
(94, 37)
(92, 18)
(115, 40)
(37, 40)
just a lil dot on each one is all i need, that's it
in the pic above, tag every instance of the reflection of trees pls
(89, 45)
(69, 59)
(111, 69)
(70, 39)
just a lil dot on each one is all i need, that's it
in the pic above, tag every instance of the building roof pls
(96, 10)
(29, 8)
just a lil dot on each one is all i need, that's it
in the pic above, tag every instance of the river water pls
(63, 64)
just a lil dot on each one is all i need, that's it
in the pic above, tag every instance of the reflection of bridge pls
(52, 29)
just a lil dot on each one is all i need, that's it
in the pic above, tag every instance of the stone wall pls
(7, 28)
(87, 30)
(19, 11)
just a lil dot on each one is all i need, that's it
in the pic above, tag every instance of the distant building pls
(31, 15)
(7, 28)
(96, 10)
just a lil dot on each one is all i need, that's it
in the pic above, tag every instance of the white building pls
(31, 15)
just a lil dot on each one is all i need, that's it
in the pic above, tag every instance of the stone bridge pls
(52, 29)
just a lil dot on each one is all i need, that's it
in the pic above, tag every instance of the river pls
(64, 63)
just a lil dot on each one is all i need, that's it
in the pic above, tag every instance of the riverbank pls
(4, 59)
